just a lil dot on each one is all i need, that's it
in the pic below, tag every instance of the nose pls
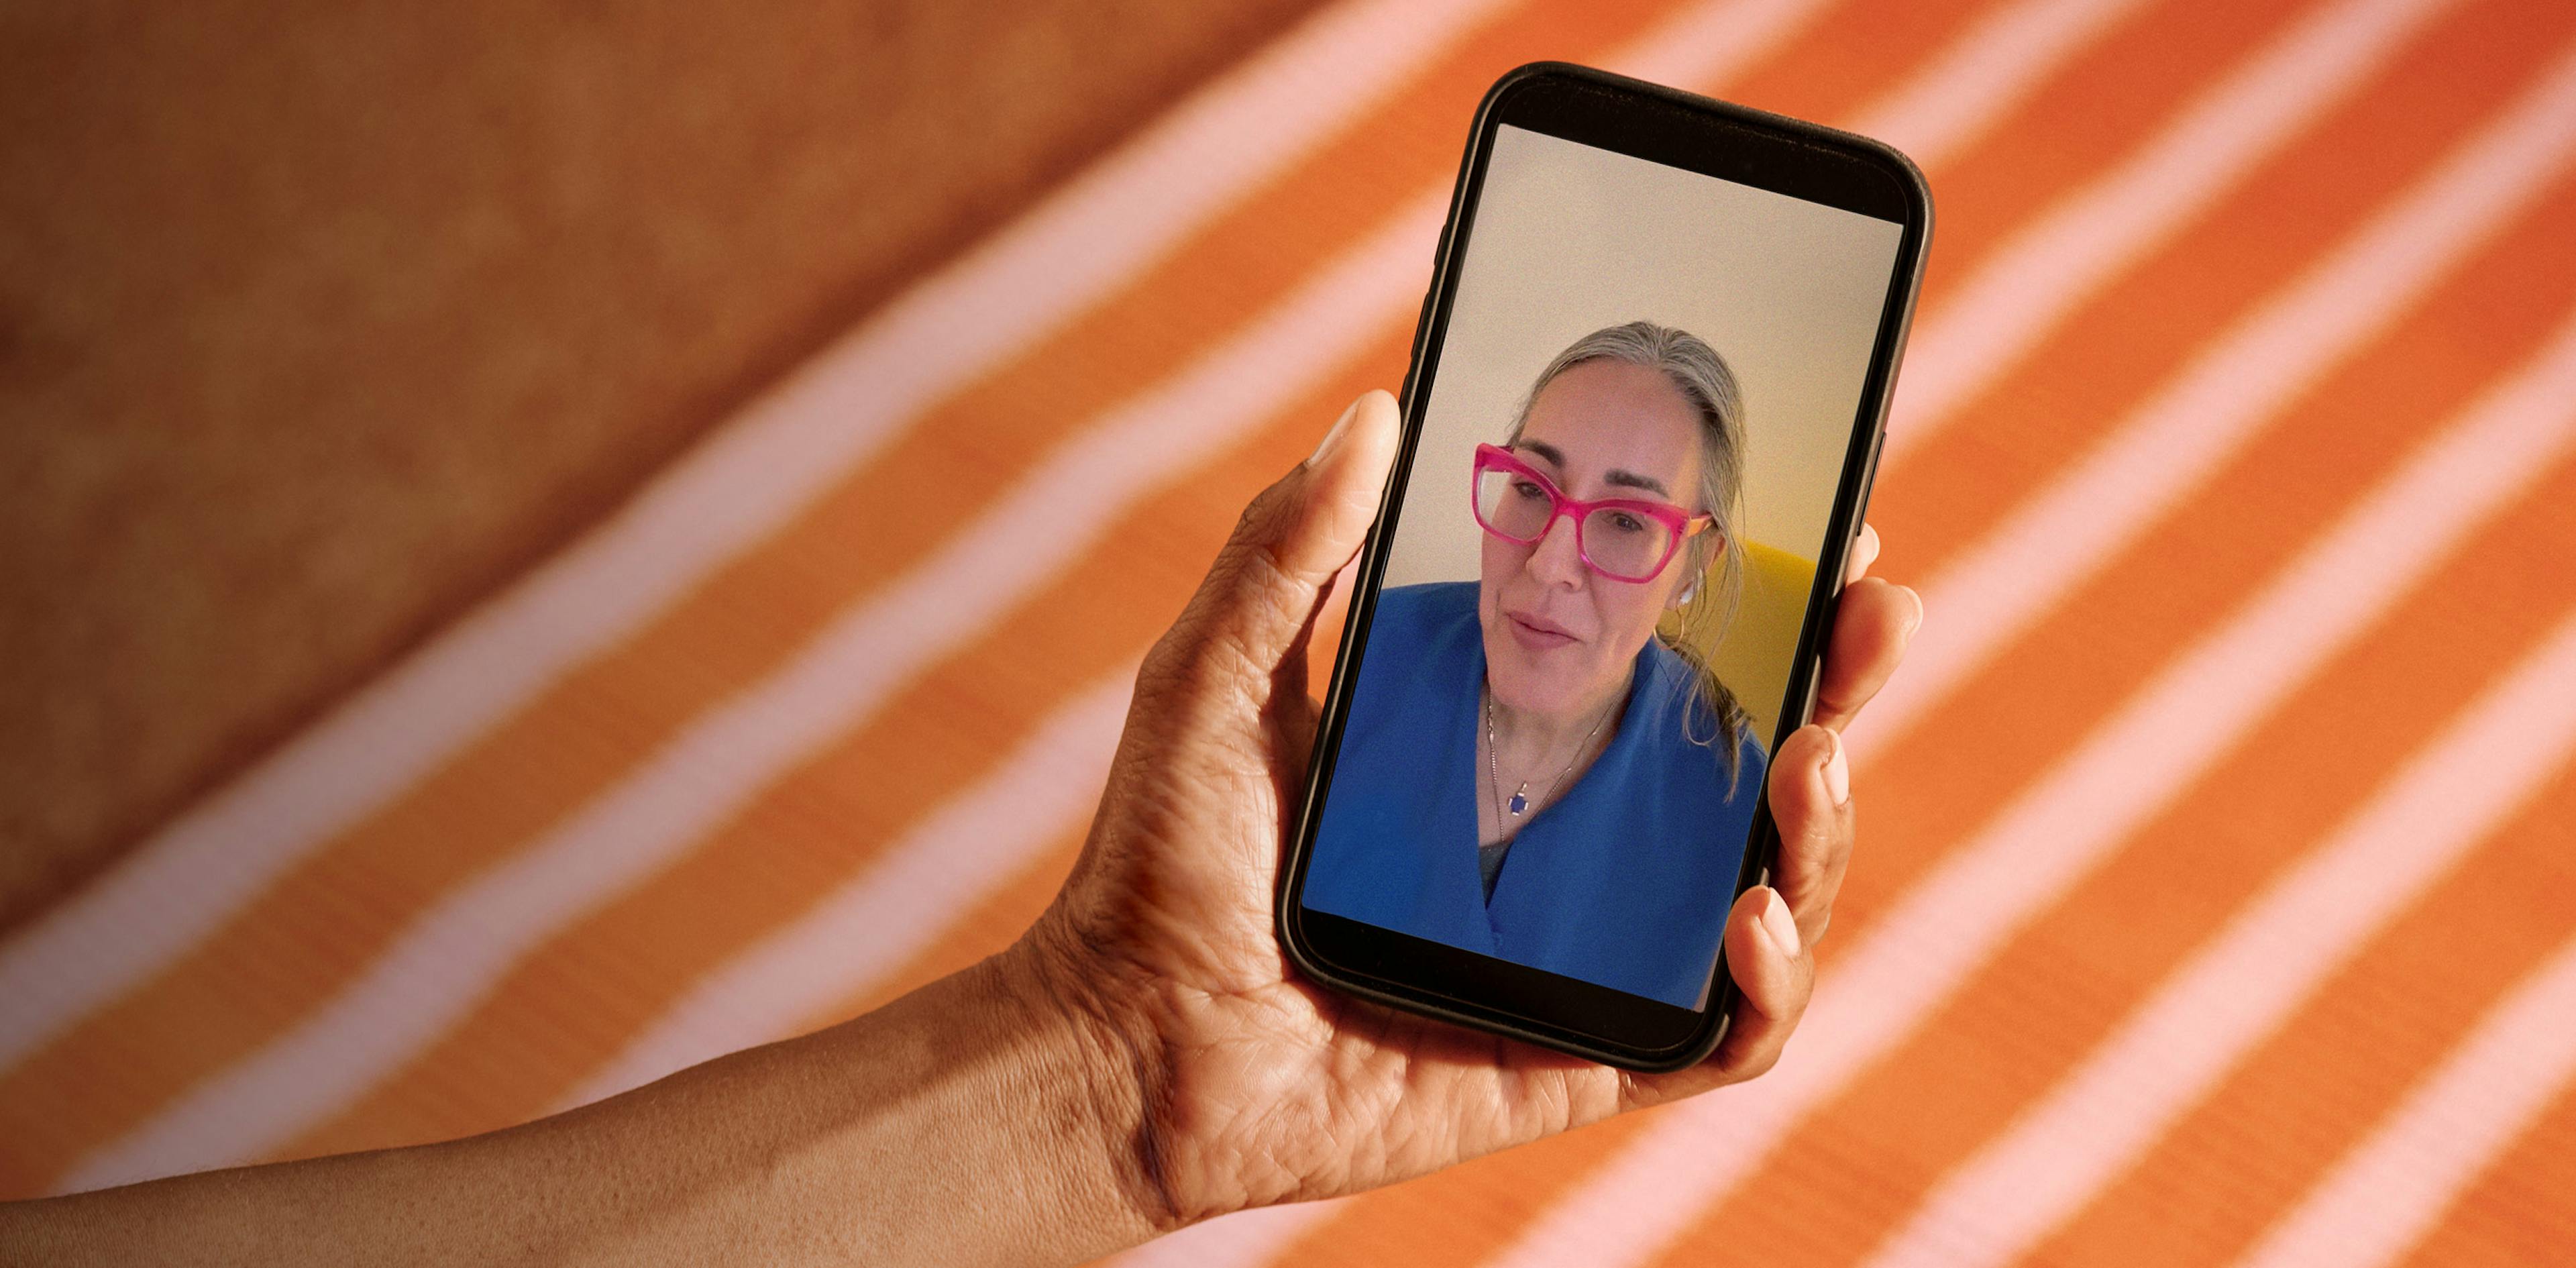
(1557, 560)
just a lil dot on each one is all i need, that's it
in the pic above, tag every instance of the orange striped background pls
(2305, 1092)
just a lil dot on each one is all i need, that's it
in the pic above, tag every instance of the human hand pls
(1230, 1081)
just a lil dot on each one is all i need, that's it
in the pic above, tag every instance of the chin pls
(1537, 688)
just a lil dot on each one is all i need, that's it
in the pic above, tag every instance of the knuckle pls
(1262, 516)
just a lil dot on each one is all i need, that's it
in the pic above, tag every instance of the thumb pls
(1271, 575)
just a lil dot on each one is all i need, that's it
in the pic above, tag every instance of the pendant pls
(1518, 803)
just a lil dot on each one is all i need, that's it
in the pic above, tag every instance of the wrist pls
(1100, 1069)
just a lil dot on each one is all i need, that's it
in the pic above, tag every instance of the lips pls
(1537, 633)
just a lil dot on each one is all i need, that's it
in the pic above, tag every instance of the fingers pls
(1774, 973)
(1270, 578)
(1864, 552)
(1331, 498)
(1810, 798)
(1296, 712)
(1871, 629)
(1772, 933)
(1774, 976)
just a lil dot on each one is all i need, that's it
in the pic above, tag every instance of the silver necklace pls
(1519, 803)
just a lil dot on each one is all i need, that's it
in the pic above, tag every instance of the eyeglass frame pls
(1681, 524)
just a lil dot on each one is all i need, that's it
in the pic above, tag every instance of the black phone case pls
(1851, 502)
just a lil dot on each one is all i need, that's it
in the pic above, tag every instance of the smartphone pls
(1644, 407)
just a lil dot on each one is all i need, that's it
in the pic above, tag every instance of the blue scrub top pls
(1624, 881)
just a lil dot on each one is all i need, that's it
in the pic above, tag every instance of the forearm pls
(968, 1123)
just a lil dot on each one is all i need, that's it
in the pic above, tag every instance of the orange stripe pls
(2310, 1093)
(2024, 1020)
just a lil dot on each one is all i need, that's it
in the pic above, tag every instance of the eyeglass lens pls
(1619, 542)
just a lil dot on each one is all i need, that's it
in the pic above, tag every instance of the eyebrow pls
(1628, 479)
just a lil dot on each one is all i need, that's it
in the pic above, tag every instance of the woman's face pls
(1559, 636)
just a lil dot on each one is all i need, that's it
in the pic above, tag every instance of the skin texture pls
(1561, 640)
(1141, 1059)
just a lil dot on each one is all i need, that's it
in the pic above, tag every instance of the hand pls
(1242, 1085)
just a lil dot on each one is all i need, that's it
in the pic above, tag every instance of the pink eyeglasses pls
(1624, 539)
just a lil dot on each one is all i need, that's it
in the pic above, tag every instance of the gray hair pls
(1704, 381)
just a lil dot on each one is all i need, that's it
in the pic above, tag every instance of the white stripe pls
(449, 956)
(1955, 100)
(2239, 989)
(894, 909)
(1947, 926)
(752, 475)
(2085, 240)
(1993, 591)
(2386, 1195)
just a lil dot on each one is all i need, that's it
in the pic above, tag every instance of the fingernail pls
(1837, 769)
(1333, 438)
(1780, 926)
(1914, 622)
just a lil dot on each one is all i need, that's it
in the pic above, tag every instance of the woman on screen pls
(1529, 769)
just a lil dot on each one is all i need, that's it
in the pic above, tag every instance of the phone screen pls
(1595, 578)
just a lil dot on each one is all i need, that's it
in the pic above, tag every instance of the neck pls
(1527, 735)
